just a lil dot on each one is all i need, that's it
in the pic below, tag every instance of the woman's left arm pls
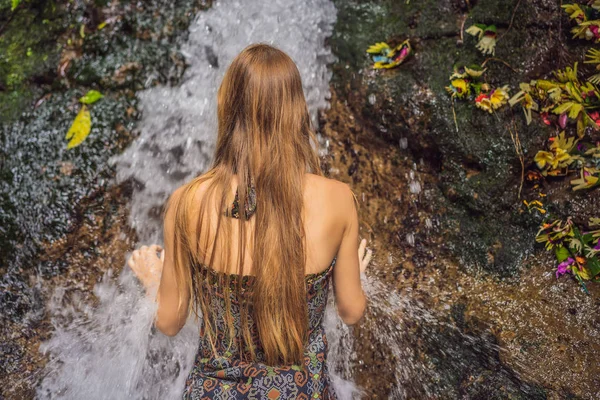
(172, 313)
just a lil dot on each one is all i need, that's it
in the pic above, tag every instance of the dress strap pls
(249, 204)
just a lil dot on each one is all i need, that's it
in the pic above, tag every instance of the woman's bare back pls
(325, 219)
(331, 229)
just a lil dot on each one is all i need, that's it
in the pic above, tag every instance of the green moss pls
(27, 54)
(412, 102)
(38, 200)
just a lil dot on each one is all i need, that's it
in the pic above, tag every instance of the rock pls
(479, 171)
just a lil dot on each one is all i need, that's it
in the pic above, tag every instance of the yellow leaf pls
(575, 110)
(564, 107)
(517, 98)
(574, 91)
(583, 273)
(545, 84)
(475, 31)
(377, 48)
(593, 56)
(80, 128)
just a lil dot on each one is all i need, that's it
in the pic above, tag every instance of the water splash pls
(109, 350)
(426, 355)
(178, 128)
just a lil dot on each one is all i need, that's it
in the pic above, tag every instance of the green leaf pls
(562, 253)
(587, 238)
(564, 107)
(15, 4)
(575, 110)
(593, 265)
(91, 97)
(574, 91)
(80, 128)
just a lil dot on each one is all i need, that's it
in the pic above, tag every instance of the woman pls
(251, 245)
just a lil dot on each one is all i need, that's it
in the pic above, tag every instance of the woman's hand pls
(363, 258)
(147, 265)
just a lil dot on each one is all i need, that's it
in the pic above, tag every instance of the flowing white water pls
(108, 351)
(178, 129)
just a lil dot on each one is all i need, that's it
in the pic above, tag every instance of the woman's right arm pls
(349, 296)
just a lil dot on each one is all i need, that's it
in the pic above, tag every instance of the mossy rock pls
(479, 170)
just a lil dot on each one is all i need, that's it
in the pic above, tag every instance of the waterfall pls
(109, 351)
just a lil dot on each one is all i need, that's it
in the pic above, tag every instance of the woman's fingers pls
(361, 249)
(156, 248)
(146, 263)
(368, 257)
(364, 258)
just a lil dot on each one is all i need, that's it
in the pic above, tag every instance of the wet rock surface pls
(441, 208)
(59, 207)
(482, 336)
(479, 171)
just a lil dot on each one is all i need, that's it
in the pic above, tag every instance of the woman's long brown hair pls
(265, 139)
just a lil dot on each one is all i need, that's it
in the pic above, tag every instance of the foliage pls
(586, 19)
(558, 159)
(82, 124)
(384, 57)
(593, 57)
(91, 97)
(465, 83)
(80, 128)
(486, 35)
(565, 96)
(566, 153)
(576, 251)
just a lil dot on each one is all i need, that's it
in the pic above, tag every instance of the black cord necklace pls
(249, 206)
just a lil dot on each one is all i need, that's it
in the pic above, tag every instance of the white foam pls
(109, 351)
(178, 128)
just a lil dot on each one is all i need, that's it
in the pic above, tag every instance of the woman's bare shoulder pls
(195, 189)
(324, 182)
(332, 191)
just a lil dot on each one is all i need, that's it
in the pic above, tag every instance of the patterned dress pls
(228, 377)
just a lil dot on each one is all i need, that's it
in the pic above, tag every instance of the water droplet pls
(428, 223)
(415, 187)
(410, 239)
